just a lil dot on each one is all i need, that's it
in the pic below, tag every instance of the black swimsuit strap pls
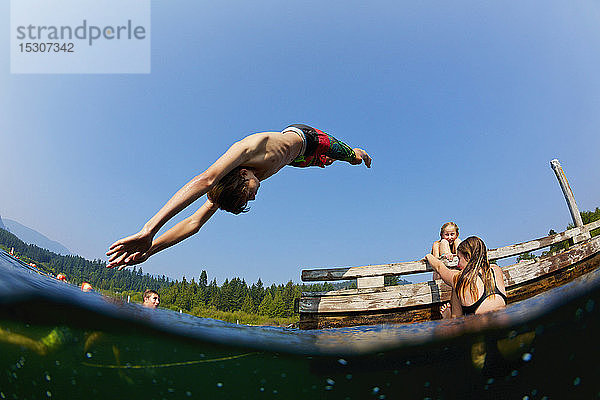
(473, 307)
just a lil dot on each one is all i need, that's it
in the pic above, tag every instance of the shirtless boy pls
(231, 182)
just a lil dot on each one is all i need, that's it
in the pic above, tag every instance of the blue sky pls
(461, 105)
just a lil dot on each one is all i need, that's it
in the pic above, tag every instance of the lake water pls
(59, 343)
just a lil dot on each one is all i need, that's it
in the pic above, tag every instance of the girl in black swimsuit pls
(477, 286)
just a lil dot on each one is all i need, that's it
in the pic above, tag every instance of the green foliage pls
(247, 306)
(591, 216)
(266, 305)
(78, 269)
(587, 217)
(278, 306)
(233, 301)
(243, 317)
(525, 256)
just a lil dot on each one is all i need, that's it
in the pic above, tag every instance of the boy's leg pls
(321, 148)
(339, 150)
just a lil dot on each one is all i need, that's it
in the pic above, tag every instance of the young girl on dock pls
(477, 286)
(447, 245)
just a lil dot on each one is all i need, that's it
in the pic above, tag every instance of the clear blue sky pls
(462, 105)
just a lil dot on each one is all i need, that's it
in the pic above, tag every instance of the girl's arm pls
(455, 306)
(446, 273)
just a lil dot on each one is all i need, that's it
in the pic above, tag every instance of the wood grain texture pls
(420, 302)
(567, 192)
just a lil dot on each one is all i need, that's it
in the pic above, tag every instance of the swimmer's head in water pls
(151, 299)
(234, 190)
(449, 231)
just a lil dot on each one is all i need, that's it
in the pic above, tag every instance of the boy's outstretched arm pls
(128, 251)
(176, 234)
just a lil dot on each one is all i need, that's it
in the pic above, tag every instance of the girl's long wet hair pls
(474, 250)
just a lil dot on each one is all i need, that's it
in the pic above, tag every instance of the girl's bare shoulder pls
(499, 274)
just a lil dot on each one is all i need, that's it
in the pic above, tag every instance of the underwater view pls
(58, 342)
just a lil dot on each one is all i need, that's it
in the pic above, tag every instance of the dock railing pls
(373, 276)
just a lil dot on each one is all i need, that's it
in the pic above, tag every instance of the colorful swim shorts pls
(318, 145)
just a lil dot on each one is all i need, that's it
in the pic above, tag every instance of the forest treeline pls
(198, 297)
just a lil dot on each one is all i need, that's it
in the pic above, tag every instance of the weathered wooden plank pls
(428, 312)
(372, 281)
(405, 316)
(567, 192)
(531, 288)
(532, 245)
(414, 267)
(345, 273)
(398, 290)
(519, 273)
(386, 298)
(360, 300)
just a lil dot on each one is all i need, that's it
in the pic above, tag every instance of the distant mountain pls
(32, 236)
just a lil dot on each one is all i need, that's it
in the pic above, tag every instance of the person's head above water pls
(449, 231)
(233, 192)
(86, 287)
(151, 299)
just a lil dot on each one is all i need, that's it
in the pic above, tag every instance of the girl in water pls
(477, 286)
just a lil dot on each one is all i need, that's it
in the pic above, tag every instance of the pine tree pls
(203, 281)
(278, 307)
(247, 305)
(266, 306)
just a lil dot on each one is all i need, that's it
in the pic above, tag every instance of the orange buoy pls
(61, 277)
(86, 287)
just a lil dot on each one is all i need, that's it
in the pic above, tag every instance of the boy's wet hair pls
(447, 224)
(231, 192)
(149, 293)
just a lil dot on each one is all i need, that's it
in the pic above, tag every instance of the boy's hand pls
(361, 156)
(129, 251)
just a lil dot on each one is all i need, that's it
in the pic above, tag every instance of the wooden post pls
(570, 198)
